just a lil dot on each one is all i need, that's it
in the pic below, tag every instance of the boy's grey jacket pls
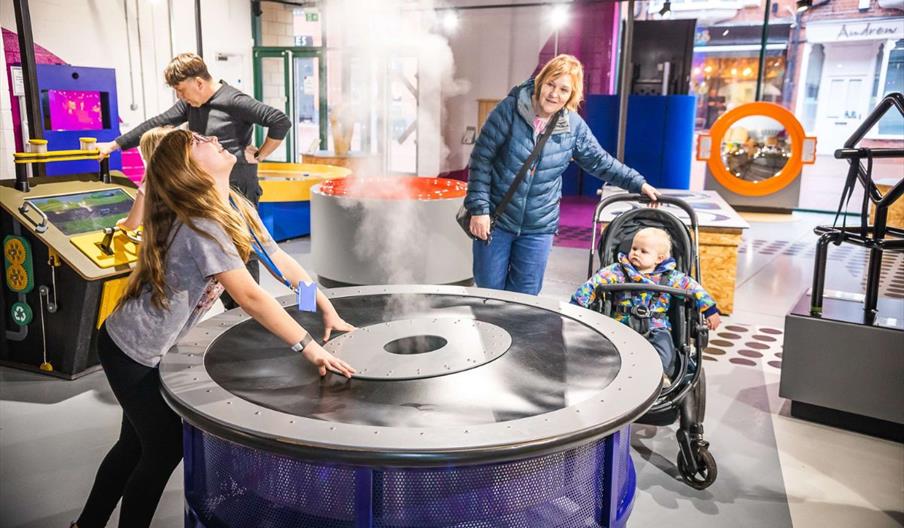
(505, 143)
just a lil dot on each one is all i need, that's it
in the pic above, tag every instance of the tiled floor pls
(774, 470)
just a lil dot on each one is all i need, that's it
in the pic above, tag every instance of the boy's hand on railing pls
(105, 149)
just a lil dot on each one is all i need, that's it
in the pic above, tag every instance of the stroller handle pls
(644, 199)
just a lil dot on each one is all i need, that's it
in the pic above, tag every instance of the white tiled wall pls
(277, 27)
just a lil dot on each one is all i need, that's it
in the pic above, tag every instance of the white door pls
(844, 93)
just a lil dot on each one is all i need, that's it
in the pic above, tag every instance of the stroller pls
(685, 399)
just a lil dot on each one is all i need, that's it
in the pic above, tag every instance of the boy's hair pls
(185, 66)
(555, 68)
(662, 237)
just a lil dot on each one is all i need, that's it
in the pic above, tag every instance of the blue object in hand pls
(307, 296)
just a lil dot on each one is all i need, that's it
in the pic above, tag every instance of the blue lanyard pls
(264, 256)
(268, 262)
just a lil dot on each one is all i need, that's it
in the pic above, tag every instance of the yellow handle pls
(57, 154)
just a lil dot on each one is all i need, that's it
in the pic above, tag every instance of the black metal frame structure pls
(873, 237)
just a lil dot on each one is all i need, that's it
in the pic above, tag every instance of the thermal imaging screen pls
(68, 110)
(83, 212)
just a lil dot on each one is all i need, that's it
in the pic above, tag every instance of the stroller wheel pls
(706, 469)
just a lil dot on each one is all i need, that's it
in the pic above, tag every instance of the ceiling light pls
(558, 17)
(803, 5)
(450, 21)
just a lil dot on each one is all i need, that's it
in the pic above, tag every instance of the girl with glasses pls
(197, 236)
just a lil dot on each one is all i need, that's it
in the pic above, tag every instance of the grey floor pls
(774, 470)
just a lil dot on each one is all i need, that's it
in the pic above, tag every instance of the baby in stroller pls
(649, 262)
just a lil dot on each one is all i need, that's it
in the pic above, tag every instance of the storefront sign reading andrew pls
(856, 30)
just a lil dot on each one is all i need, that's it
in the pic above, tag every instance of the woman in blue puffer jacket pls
(514, 257)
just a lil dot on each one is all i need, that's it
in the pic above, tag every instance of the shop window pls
(811, 86)
(893, 124)
(725, 80)
(874, 93)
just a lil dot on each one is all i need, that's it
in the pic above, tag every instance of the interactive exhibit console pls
(754, 154)
(843, 359)
(471, 407)
(65, 262)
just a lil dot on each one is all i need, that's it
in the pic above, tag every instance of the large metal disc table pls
(471, 407)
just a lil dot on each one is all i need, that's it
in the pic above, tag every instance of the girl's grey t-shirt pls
(144, 332)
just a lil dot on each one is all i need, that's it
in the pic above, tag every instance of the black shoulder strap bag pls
(463, 217)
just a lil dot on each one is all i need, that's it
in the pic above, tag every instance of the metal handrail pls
(23, 159)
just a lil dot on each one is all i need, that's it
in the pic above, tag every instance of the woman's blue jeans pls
(512, 262)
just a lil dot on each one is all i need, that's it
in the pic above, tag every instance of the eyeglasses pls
(198, 138)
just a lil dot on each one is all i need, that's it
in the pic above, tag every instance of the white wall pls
(494, 50)
(7, 141)
(94, 33)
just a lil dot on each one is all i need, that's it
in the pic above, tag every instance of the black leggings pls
(148, 450)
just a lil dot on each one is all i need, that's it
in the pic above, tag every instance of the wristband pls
(305, 341)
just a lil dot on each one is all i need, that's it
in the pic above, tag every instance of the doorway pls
(293, 80)
(844, 96)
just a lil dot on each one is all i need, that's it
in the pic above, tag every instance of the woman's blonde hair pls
(555, 68)
(177, 189)
(150, 140)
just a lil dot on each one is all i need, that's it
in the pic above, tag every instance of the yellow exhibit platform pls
(285, 205)
(292, 182)
(125, 251)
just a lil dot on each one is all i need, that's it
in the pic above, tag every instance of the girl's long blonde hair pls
(150, 140)
(178, 190)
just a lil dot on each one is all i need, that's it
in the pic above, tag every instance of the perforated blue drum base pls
(229, 485)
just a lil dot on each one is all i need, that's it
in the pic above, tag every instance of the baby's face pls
(645, 253)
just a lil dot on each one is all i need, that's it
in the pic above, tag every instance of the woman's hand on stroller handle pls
(650, 195)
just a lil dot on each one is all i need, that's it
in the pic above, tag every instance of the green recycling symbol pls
(21, 313)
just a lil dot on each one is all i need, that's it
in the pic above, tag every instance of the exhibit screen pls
(72, 110)
(83, 212)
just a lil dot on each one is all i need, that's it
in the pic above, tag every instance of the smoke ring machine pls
(472, 407)
(371, 231)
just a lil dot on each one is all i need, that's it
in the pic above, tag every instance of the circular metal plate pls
(420, 348)
(568, 375)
